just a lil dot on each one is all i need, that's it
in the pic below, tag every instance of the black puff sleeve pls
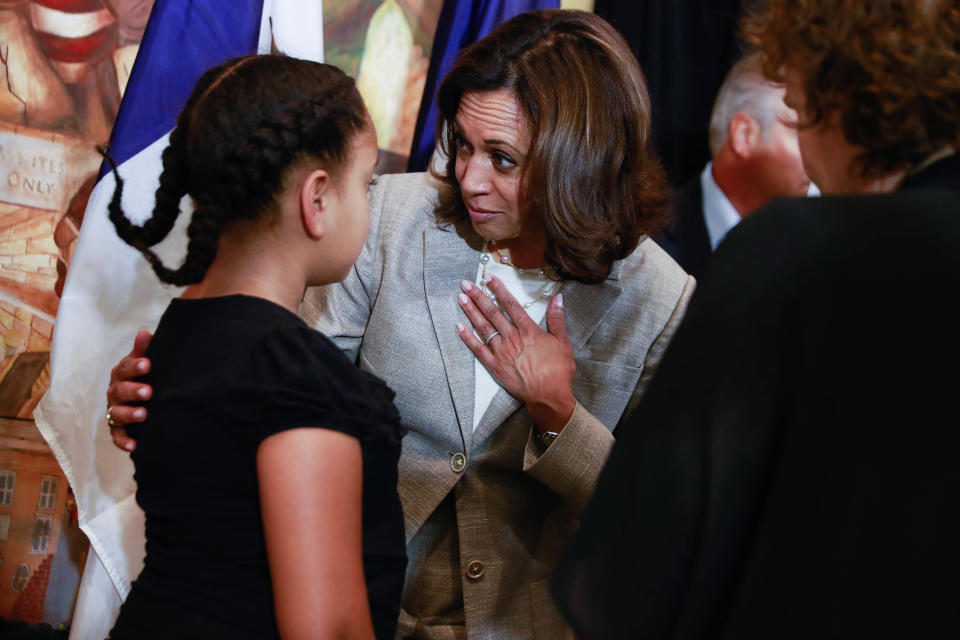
(301, 379)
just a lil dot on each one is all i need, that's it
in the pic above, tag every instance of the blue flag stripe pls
(183, 39)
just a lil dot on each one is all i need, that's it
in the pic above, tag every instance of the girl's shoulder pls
(306, 380)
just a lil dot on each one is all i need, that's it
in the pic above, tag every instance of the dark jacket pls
(792, 471)
(687, 240)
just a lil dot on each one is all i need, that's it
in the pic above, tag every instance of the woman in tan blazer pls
(549, 191)
(544, 125)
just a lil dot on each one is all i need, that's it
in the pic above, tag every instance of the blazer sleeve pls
(341, 310)
(572, 464)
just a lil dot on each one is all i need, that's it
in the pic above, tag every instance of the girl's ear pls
(313, 202)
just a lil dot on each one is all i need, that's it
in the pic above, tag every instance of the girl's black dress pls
(227, 373)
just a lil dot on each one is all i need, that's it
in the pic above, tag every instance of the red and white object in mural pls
(31, 92)
(73, 33)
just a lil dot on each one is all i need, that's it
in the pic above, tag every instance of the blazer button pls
(475, 570)
(458, 462)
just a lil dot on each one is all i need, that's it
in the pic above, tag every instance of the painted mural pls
(385, 45)
(65, 65)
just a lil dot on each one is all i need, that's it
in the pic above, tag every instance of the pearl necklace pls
(548, 289)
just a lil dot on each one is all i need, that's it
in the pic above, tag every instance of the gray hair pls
(745, 89)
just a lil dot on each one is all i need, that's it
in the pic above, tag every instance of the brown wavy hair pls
(591, 174)
(888, 69)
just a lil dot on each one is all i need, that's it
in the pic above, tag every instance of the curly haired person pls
(796, 476)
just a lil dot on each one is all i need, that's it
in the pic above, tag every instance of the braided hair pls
(244, 125)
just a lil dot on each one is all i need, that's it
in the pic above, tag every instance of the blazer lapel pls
(501, 407)
(586, 305)
(447, 260)
(584, 308)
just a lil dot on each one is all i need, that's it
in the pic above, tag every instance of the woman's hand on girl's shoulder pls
(123, 390)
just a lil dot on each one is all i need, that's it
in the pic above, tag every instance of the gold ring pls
(113, 424)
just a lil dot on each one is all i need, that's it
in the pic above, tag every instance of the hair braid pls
(246, 122)
(173, 178)
(203, 234)
(312, 127)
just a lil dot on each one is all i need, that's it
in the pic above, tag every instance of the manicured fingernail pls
(463, 298)
(128, 446)
(466, 285)
(142, 393)
(142, 366)
(140, 414)
(559, 298)
(460, 328)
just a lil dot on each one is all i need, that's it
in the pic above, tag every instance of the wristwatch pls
(547, 437)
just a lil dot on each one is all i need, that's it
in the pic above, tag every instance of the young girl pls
(268, 465)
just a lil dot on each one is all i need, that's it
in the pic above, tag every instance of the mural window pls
(20, 577)
(48, 494)
(4, 526)
(41, 532)
(7, 480)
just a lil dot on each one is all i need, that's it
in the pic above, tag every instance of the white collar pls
(718, 214)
